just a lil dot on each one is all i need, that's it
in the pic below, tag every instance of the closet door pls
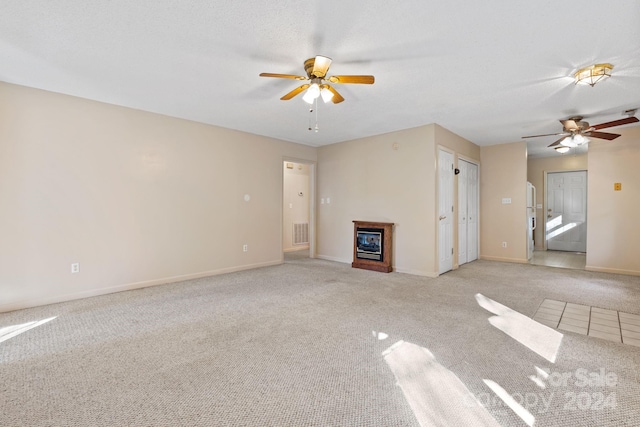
(467, 212)
(472, 212)
(462, 212)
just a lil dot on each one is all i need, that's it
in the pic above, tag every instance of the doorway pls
(467, 212)
(297, 228)
(566, 216)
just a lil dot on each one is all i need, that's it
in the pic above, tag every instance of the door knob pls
(442, 217)
(549, 216)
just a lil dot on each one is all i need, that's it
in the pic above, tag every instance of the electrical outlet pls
(245, 248)
(504, 244)
(75, 267)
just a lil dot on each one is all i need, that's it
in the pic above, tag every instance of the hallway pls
(574, 260)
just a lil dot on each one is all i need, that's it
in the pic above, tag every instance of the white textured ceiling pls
(491, 71)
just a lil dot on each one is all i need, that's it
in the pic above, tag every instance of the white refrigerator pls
(531, 217)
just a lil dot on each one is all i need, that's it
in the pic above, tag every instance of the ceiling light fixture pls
(593, 74)
(562, 149)
(312, 93)
(315, 91)
(574, 140)
(579, 139)
(326, 94)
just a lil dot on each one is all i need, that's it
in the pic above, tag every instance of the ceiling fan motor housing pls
(308, 67)
(582, 126)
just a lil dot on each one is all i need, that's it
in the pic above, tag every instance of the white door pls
(445, 211)
(472, 212)
(463, 215)
(566, 219)
(467, 212)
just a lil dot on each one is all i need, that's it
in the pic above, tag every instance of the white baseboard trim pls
(430, 274)
(296, 249)
(612, 270)
(514, 260)
(334, 259)
(35, 302)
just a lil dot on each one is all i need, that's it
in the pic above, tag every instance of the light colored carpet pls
(302, 344)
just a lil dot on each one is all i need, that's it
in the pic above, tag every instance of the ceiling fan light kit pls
(312, 93)
(574, 140)
(562, 149)
(326, 94)
(593, 74)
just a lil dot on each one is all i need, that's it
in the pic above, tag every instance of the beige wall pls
(536, 169)
(387, 178)
(613, 229)
(140, 199)
(460, 146)
(136, 198)
(503, 175)
(295, 207)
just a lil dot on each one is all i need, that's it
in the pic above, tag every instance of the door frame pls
(312, 202)
(544, 200)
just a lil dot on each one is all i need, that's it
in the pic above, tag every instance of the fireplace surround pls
(372, 243)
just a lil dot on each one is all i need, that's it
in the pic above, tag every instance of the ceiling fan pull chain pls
(311, 108)
(316, 102)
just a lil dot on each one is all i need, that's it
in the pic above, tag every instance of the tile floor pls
(591, 321)
(575, 260)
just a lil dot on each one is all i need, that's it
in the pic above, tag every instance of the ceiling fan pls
(575, 130)
(316, 69)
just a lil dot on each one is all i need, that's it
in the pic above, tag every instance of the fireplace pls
(372, 246)
(369, 243)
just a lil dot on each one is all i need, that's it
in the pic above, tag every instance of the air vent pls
(301, 233)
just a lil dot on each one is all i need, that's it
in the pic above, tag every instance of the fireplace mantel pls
(372, 243)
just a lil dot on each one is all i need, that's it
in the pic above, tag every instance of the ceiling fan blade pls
(294, 92)
(603, 135)
(321, 66)
(557, 142)
(365, 80)
(337, 98)
(616, 123)
(546, 134)
(570, 125)
(283, 76)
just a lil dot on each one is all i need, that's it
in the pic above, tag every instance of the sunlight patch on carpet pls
(520, 410)
(379, 335)
(8, 332)
(436, 395)
(537, 337)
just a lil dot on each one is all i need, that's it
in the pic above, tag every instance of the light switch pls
(322, 201)
(328, 199)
